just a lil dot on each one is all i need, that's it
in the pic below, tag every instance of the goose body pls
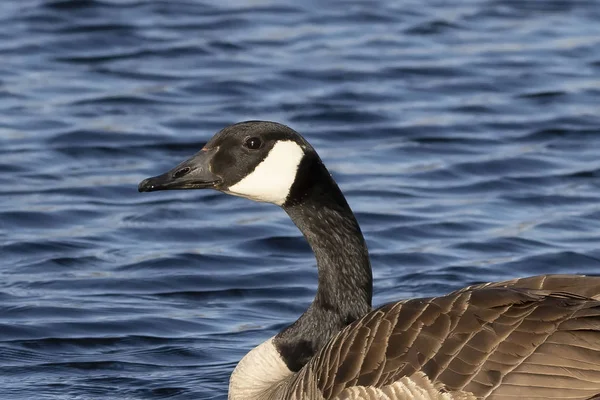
(528, 338)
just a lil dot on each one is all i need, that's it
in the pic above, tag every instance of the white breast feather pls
(258, 373)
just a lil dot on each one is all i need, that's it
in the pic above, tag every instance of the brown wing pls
(527, 338)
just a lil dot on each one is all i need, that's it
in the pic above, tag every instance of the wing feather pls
(536, 337)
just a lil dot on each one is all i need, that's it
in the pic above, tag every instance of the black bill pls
(191, 174)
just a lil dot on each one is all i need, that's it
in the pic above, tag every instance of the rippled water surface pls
(465, 135)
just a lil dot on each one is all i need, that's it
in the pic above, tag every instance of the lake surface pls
(465, 134)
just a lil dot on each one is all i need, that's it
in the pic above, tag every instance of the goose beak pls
(191, 174)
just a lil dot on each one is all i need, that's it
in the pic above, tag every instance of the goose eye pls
(253, 143)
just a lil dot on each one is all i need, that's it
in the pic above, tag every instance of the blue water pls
(465, 134)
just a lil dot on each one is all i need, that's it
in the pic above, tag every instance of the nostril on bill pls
(183, 171)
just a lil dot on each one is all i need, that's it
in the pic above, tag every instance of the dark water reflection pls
(465, 135)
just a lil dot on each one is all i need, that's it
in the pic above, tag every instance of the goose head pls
(258, 160)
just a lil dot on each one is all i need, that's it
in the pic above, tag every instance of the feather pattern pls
(536, 337)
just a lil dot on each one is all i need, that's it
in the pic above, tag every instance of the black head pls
(258, 160)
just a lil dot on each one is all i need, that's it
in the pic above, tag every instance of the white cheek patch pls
(273, 178)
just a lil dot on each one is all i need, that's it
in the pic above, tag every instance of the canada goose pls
(529, 338)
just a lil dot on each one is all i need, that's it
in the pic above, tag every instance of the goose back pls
(536, 337)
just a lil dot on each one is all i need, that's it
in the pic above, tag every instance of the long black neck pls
(318, 208)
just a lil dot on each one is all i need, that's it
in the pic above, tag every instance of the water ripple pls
(465, 135)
